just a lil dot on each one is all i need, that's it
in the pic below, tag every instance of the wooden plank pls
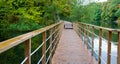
(118, 54)
(59, 33)
(54, 37)
(71, 50)
(61, 29)
(88, 30)
(80, 30)
(100, 45)
(87, 35)
(92, 40)
(57, 36)
(28, 51)
(109, 48)
(83, 31)
(44, 48)
(50, 47)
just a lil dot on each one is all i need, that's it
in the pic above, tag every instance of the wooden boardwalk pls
(71, 50)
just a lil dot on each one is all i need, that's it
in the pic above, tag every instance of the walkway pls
(71, 50)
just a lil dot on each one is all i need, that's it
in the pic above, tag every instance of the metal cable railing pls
(54, 32)
(87, 30)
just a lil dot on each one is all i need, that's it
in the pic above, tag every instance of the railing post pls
(109, 48)
(83, 31)
(100, 45)
(55, 43)
(50, 47)
(87, 35)
(61, 28)
(28, 51)
(88, 31)
(85, 38)
(80, 31)
(77, 28)
(59, 32)
(57, 37)
(92, 40)
(44, 47)
(118, 54)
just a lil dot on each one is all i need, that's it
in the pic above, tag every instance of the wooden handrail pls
(5, 45)
(104, 28)
(82, 28)
(26, 38)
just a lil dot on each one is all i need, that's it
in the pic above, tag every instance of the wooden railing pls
(53, 38)
(87, 30)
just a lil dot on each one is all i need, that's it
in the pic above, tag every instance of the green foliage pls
(21, 16)
(62, 8)
(85, 13)
(24, 15)
(110, 13)
(105, 14)
(117, 13)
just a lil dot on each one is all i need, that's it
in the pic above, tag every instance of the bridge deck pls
(71, 50)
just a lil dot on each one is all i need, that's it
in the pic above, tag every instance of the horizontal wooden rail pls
(54, 30)
(99, 27)
(87, 30)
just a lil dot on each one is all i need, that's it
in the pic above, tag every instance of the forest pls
(21, 16)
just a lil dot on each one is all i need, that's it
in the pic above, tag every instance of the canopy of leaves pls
(110, 13)
(85, 13)
(22, 16)
(105, 14)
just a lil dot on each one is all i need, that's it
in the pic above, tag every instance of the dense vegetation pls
(22, 16)
(105, 14)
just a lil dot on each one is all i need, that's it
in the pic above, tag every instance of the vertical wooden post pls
(44, 47)
(50, 47)
(58, 35)
(92, 40)
(118, 49)
(88, 35)
(55, 28)
(28, 51)
(88, 31)
(77, 29)
(80, 29)
(109, 48)
(59, 32)
(60, 29)
(100, 45)
(83, 31)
